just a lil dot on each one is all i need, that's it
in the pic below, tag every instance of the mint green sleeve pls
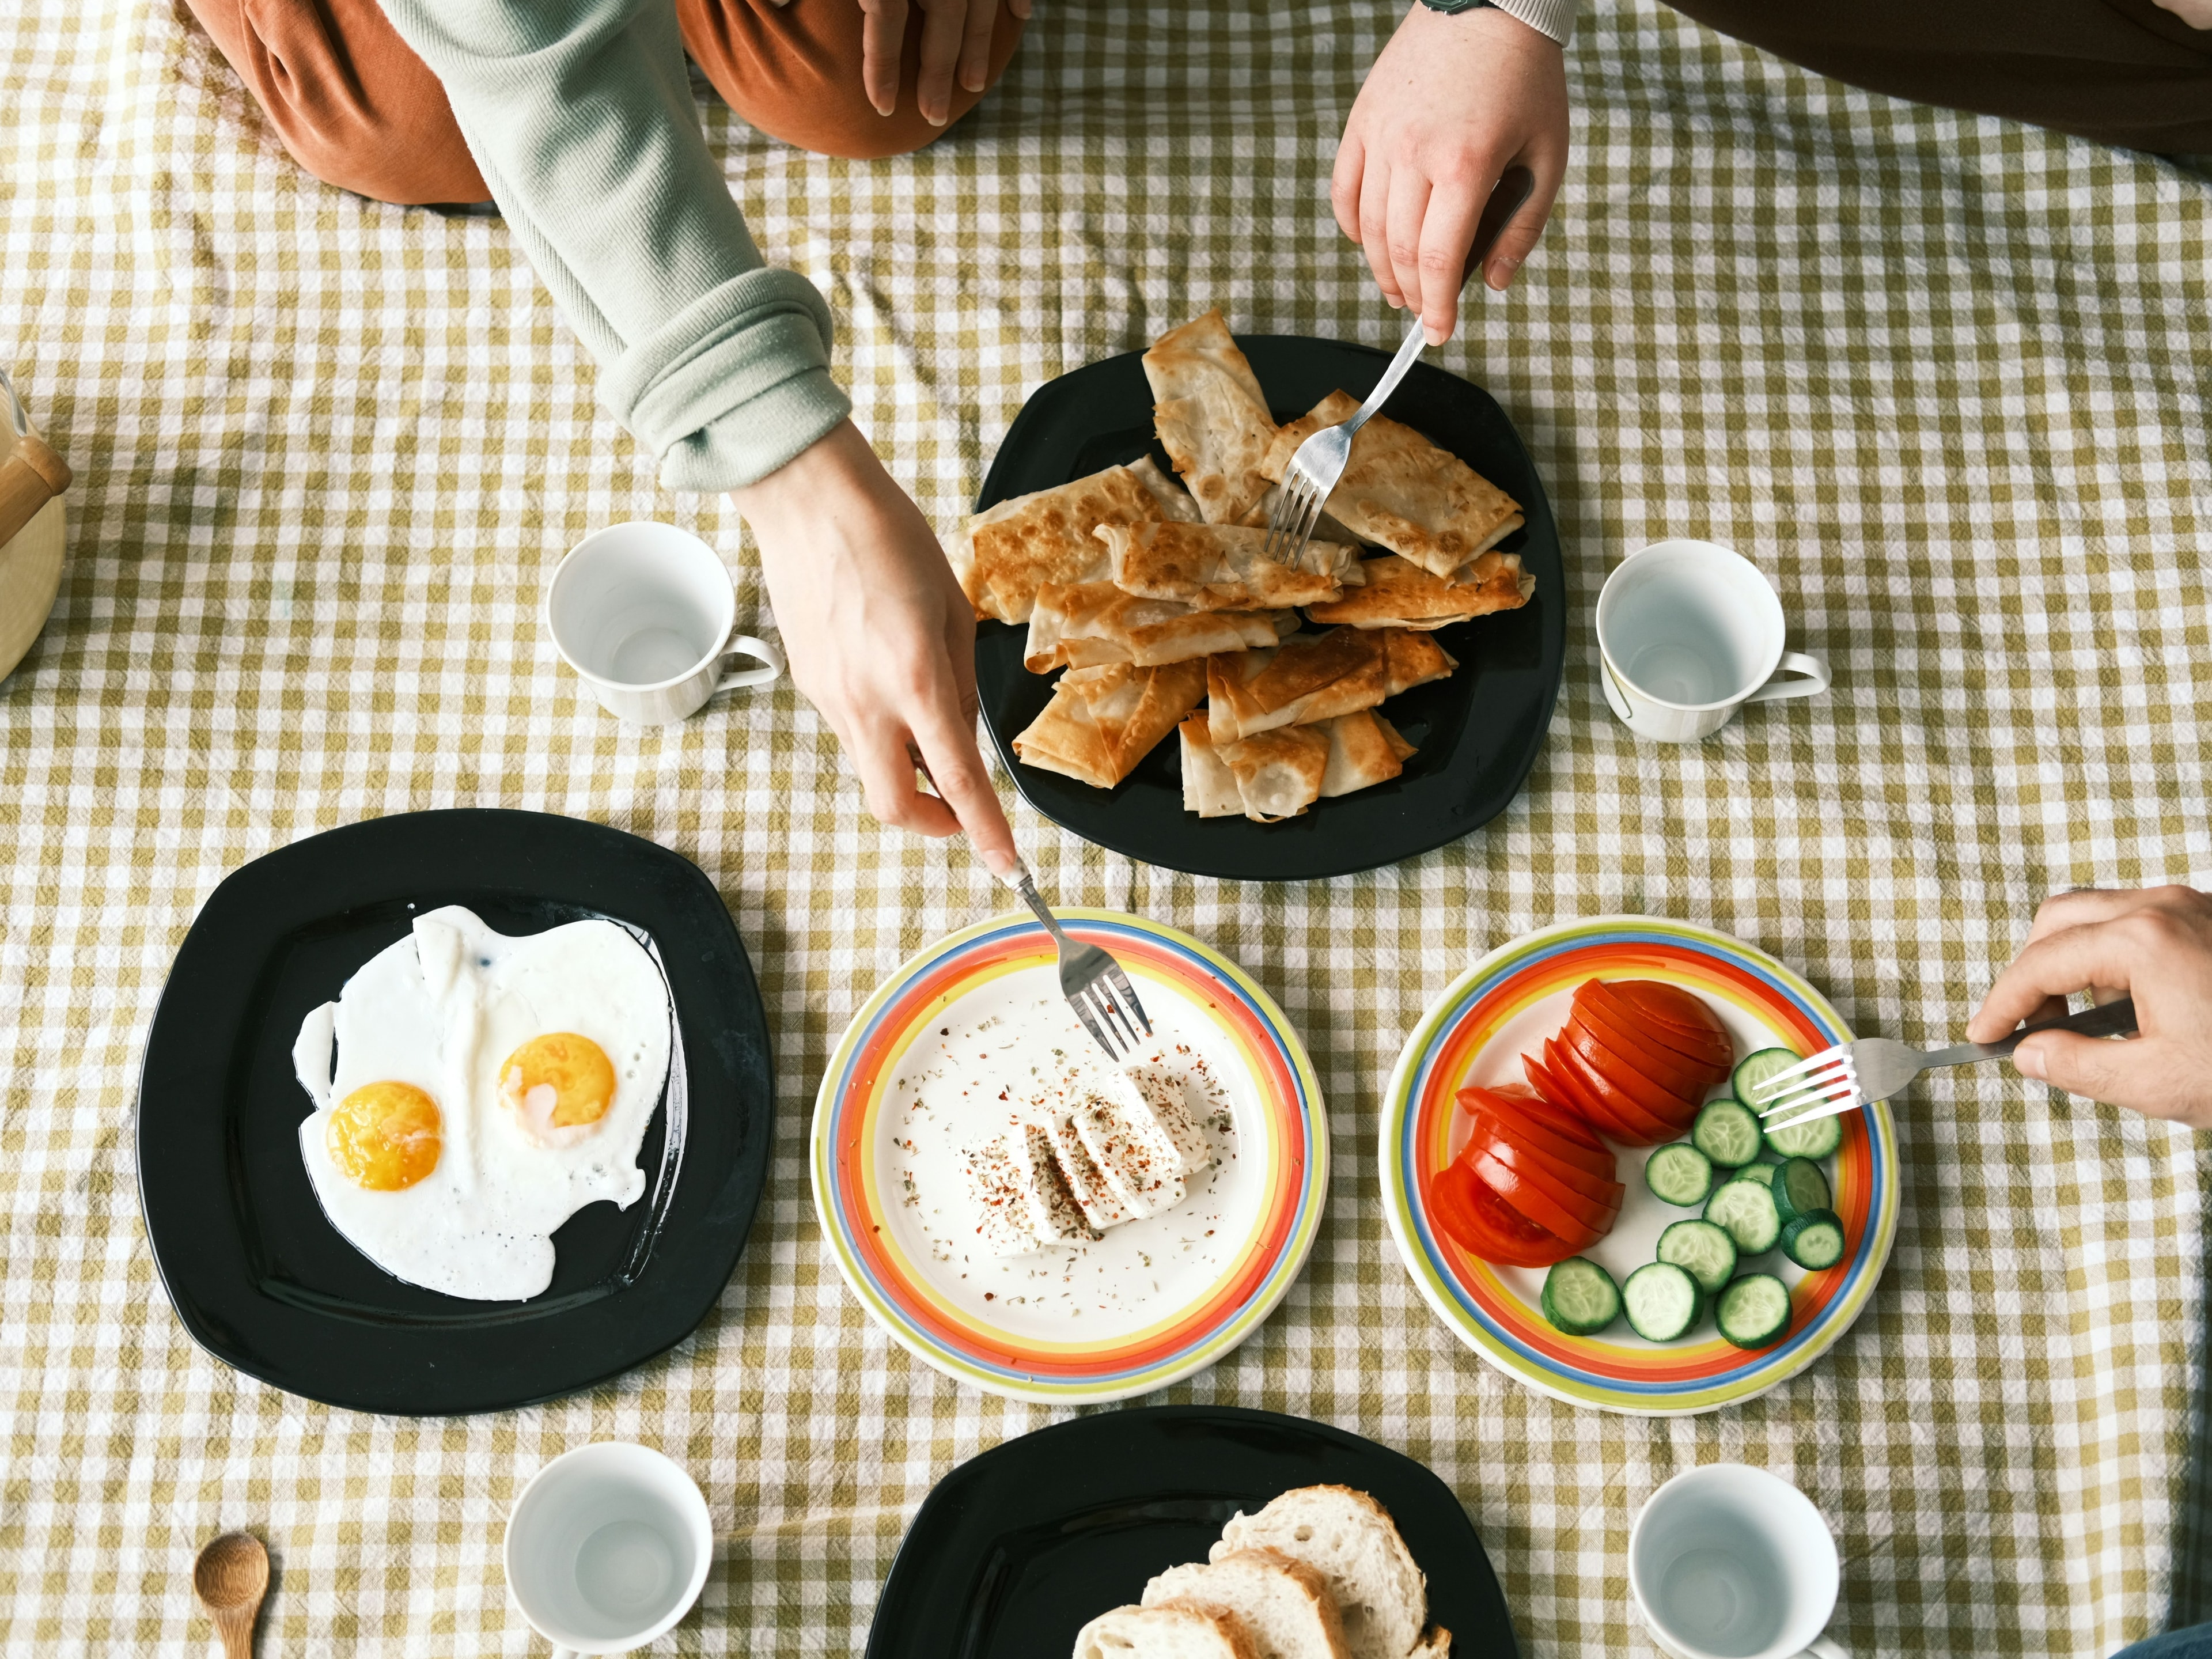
(581, 117)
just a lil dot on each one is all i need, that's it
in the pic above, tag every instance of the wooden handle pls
(235, 1626)
(30, 477)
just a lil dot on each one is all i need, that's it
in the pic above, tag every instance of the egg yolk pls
(558, 1086)
(385, 1136)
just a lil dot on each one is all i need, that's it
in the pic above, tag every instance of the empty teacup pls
(644, 613)
(607, 1547)
(1689, 632)
(1730, 1562)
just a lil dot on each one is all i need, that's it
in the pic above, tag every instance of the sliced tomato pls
(1671, 1005)
(1593, 1203)
(1677, 1073)
(1552, 1114)
(1582, 1099)
(1544, 1127)
(1676, 1111)
(1702, 1047)
(1639, 1128)
(1501, 1123)
(1485, 1225)
(1520, 1191)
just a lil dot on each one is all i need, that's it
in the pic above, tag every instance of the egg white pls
(441, 1009)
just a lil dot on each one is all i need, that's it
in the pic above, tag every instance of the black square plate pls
(259, 1276)
(1478, 732)
(1017, 1549)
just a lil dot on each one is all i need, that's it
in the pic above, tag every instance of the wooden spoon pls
(230, 1577)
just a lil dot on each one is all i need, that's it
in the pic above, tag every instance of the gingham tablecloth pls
(1943, 377)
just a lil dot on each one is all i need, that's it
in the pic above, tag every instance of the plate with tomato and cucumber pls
(1581, 1191)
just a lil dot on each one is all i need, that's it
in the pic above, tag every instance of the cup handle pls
(1612, 693)
(745, 644)
(1822, 1648)
(1816, 680)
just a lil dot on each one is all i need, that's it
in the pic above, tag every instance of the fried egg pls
(485, 1088)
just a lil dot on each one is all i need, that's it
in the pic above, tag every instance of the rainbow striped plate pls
(1509, 1002)
(919, 1074)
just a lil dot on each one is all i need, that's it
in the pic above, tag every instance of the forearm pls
(581, 117)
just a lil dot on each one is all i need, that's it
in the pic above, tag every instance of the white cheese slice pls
(1141, 1164)
(998, 1195)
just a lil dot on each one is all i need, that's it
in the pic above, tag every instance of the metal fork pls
(1855, 1074)
(1089, 978)
(1320, 461)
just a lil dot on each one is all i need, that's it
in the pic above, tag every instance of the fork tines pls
(1105, 1010)
(1819, 1087)
(1298, 510)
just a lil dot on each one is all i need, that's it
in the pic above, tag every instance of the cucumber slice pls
(1800, 1188)
(1701, 1249)
(1679, 1174)
(1726, 1131)
(1754, 1312)
(1580, 1297)
(1818, 1139)
(1755, 1069)
(1762, 1173)
(1814, 1240)
(1748, 1209)
(1663, 1301)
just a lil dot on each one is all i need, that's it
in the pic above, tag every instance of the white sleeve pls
(1554, 17)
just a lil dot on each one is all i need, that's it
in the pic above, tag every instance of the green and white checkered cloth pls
(1944, 377)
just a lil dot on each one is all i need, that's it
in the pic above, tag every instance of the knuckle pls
(1403, 253)
(1438, 261)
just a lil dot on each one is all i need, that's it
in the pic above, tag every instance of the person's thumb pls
(2096, 1068)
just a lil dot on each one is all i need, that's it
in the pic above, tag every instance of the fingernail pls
(934, 121)
(1436, 336)
(2028, 1060)
(884, 110)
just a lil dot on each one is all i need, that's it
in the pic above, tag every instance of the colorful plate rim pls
(1466, 1293)
(1059, 1373)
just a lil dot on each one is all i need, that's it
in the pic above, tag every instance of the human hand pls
(953, 32)
(880, 637)
(2156, 945)
(1452, 101)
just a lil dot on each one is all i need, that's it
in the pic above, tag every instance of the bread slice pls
(1352, 1541)
(1284, 1604)
(1165, 1633)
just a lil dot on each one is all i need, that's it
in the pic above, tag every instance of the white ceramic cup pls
(1689, 633)
(607, 1547)
(645, 613)
(1730, 1562)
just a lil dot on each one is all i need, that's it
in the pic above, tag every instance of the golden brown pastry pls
(1211, 415)
(1217, 567)
(1002, 556)
(1209, 787)
(1277, 773)
(1101, 721)
(1395, 593)
(1363, 750)
(1317, 676)
(1174, 502)
(1402, 491)
(1088, 623)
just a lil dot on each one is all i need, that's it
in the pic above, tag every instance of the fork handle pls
(1020, 880)
(2112, 1019)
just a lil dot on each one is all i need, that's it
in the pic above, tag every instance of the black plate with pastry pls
(254, 1262)
(1066, 1533)
(1401, 679)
